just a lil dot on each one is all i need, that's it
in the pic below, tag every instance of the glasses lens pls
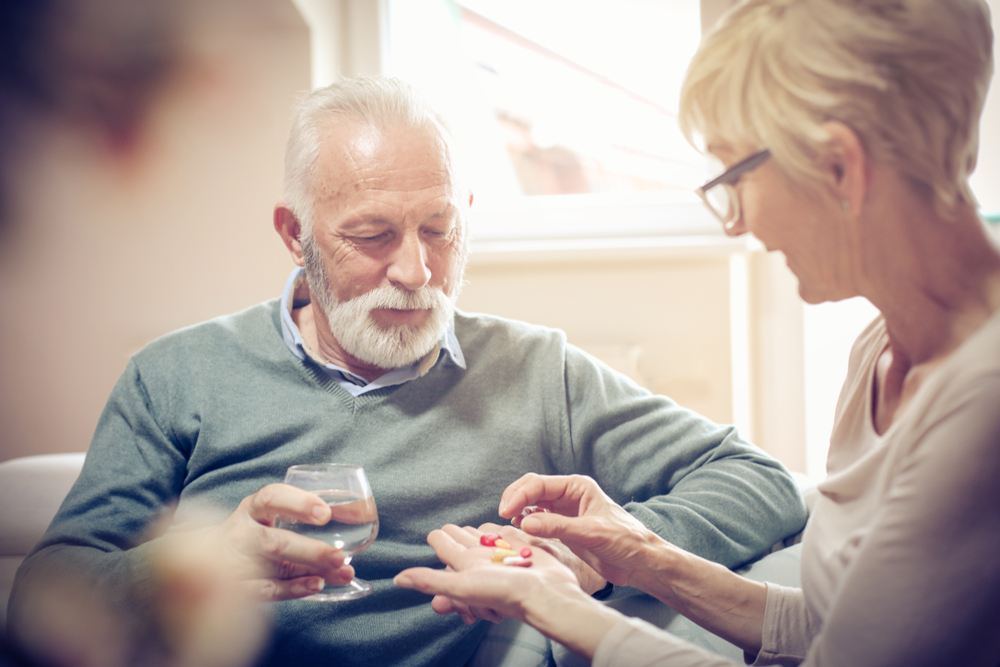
(722, 200)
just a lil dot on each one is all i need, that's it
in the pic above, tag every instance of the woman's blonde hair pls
(908, 76)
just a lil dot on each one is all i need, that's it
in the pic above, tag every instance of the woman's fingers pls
(530, 489)
(565, 494)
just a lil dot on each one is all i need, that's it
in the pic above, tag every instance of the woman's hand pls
(584, 518)
(474, 581)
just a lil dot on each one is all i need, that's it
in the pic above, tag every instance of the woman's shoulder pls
(969, 379)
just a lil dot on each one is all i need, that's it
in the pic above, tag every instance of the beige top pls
(901, 555)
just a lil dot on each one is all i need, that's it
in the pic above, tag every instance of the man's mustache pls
(425, 298)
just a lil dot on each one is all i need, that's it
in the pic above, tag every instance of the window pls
(566, 109)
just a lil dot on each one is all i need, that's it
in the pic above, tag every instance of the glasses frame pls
(728, 179)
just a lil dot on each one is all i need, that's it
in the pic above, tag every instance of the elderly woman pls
(849, 129)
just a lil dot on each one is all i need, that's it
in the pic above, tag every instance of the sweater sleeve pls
(788, 627)
(131, 472)
(692, 481)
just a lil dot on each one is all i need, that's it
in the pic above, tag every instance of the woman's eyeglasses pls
(720, 193)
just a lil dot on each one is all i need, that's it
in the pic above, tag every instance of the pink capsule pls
(489, 539)
(526, 552)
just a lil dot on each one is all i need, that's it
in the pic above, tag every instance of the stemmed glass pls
(353, 523)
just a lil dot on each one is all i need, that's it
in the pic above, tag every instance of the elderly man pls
(364, 360)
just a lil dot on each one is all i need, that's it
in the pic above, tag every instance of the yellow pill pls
(501, 554)
(502, 544)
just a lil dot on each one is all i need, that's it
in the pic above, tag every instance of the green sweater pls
(216, 411)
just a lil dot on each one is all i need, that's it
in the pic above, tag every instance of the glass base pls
(358, 588)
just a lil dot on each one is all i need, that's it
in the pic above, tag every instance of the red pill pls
(526, 552)
(489, 539)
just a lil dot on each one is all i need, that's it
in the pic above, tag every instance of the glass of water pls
(353, 522)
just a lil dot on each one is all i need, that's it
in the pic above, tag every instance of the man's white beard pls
(360, 335)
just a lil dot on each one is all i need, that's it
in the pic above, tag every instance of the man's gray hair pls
(380, 102)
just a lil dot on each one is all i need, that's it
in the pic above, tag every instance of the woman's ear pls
(846, 165)
(289, 229)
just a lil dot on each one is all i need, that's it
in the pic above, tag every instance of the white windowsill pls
(484, 253)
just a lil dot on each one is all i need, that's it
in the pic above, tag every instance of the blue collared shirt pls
(296, 295)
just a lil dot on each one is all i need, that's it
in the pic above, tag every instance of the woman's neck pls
(937, 282)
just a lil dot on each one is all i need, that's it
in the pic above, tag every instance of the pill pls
(526, 552)
(502, 544)
(512, 560)
(500, 554)
(489, 539)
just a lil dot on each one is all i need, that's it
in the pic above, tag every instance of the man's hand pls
(272, 563)
(582, 517)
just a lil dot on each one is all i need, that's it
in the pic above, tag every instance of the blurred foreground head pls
(187, 610)
(90, 66)
(908, 76)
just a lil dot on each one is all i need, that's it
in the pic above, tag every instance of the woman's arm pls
(715, 598)
(624, 551)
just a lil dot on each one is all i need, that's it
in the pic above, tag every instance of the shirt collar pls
(296, 295)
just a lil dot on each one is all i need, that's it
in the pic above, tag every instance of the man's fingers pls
(287, 553)
(275, 590)
(276, 500)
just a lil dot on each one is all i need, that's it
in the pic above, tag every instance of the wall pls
(111, 251)
(661, 315)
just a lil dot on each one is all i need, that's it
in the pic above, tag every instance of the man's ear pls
(847, 166)
(289, 229)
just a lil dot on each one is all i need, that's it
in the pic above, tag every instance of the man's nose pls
(408, 268)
